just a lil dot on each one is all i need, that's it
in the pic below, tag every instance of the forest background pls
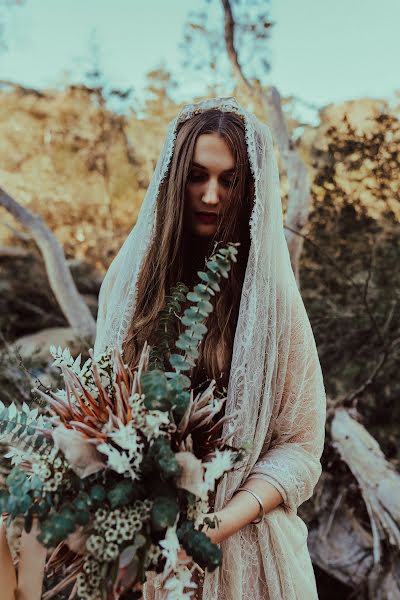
(76, 159)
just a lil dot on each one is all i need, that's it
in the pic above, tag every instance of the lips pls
(205, 217)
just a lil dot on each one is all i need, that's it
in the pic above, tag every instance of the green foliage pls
(121, 494)
(350, 276)
(157, 391)
(22, 492)
(217, 266)
(22, 425)
(163, 513)
(165, 332)
(199, 546)
(98, 494)
(59, 525)
(165, 394)
(168, 390)
(163, 458)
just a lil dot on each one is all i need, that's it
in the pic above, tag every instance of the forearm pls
(244, 508)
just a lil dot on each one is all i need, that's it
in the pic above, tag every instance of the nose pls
(211, 193)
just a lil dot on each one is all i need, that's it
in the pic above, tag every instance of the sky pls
(321, 51)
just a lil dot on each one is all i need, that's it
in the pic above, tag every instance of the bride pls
(216, 181)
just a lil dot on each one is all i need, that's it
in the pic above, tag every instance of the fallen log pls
(364, 556)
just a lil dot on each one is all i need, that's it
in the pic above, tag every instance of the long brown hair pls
(168, 257)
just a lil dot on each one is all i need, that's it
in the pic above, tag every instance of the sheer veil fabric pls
(275, 382)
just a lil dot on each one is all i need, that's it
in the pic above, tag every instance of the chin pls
(204, 228)
(205, 231)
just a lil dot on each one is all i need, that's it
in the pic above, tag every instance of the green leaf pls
(164, 458)
(180, 405)
(212, 266)
(179, 363)
(182, 381)
(192, 321)
(205, 308)
(192, 353)
(203, 276)
(155, 387)
(191, 336)
(121, 494)
(198, 296)
(36, 483)
(223, 266)
(199, 329)
(182, 344)
(163, 513)
(98, 493)
(211, 278)
(200, 288)
(193, 313)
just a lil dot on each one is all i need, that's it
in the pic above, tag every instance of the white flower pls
(117, 461)
(125, 436)
(154, 419)
(170, 546)
(217, 466)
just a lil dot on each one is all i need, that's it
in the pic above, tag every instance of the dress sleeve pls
(292, 461)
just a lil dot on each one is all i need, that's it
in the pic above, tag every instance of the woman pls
(219, 158)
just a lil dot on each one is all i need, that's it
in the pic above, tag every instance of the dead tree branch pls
(61, 282)
(297, 173)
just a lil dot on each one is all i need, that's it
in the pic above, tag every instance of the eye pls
(196, 176)
(227, 182)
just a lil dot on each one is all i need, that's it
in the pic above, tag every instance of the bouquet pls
(115, 471)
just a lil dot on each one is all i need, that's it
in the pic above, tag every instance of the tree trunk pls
(363, 556)
(71, 303)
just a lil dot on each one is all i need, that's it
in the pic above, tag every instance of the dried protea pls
(201, 426)
(89, 412)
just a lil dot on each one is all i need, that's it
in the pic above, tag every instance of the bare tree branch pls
(229, 30)
(299, 183)
(61, 282)
(13, 252)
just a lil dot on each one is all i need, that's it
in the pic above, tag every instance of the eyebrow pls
(199, 166)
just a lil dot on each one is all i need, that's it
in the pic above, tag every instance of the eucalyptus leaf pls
(200, 288)
(192, 313)
(205, 307)
(198, 296)
(178, 362)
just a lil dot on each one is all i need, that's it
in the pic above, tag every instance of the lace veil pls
(275, 378)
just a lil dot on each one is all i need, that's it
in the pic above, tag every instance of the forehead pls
(212, 152)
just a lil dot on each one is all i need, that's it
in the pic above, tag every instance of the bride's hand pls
(213, 533)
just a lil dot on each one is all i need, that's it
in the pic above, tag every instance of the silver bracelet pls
(257, 497)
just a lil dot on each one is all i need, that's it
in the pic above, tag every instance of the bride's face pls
(207, 187)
